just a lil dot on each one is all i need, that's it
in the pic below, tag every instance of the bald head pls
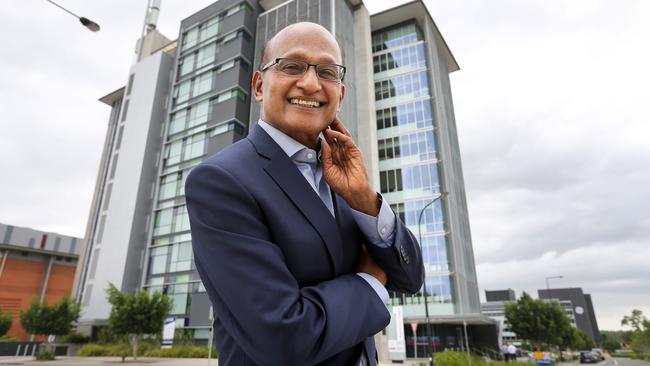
(299, 33)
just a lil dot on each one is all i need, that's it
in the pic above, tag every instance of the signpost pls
(211, 318)
(414, 328)
(168, 332)
(395, 334)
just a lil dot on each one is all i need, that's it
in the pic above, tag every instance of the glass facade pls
(408, 162)
(190, 126)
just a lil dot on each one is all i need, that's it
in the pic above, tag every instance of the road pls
(625, 362)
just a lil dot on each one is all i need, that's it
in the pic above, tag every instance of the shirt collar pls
(286, 143)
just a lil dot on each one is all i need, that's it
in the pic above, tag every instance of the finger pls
(338, 139)
(338, 125)
(326, 154)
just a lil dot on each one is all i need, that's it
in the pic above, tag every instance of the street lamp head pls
(89, 24)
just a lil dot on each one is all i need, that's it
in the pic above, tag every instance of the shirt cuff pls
(378, 230)
(376, 285)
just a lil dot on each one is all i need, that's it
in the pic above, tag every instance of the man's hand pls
(369, 266)
(344, 169)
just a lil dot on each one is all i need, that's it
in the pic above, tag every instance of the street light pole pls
(548, 287)
(424, 282)
(85, 21)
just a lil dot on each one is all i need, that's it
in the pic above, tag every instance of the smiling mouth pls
(306, 103)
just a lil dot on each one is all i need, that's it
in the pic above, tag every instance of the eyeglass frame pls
(278, 59)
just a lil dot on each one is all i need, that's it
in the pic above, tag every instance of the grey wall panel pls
(200, 310)
(148, 177)
(7, 235)
(210, 11)
(221, 141)
(228, 110)
(233, 49)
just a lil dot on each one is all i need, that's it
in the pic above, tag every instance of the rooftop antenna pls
(150, 22)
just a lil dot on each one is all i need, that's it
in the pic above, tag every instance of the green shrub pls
(93, 350)
(8, 339)
(458, 359)
(146, 349)
(185, 352)
(74, 337)
(44, 356)
(5, 322)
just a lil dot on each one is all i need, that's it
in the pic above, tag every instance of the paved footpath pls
(142, 361)
(96, 361)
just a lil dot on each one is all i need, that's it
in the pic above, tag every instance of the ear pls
(256, 85)
(341, 97)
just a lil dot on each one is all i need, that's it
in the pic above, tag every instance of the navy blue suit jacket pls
(279, 268)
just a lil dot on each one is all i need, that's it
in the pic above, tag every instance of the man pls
(294, 251)
(512, 352)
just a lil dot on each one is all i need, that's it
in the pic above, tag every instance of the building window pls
(419, 178)
(190, 38)
(411, 56)
(395, 37)
(158, 260)
(171, 220)
(186, 64)
(113, 166)
(183, 91)
(125, 110)
(130, 84)
(120, 132)
(210, 29)
(169, 186)
(163, 222)
(206, 55)
(411, 85)
(420, 144)
(202, 84)
(230, 126)
(418, 113)
(181, 257)
(235, 92)
(194, 146)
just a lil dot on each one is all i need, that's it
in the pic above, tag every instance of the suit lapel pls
(285, 174)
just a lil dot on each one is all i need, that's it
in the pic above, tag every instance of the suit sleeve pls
(256, 298)
(401, 259)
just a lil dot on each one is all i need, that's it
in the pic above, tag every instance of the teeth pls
(306, 103)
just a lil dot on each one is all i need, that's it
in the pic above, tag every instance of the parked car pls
(600, 353)
(589, 357)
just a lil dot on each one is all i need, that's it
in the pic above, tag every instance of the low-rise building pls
(34, 265)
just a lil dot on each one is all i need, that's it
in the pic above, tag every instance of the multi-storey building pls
(34, 266)
(578, 306)
(187, 99)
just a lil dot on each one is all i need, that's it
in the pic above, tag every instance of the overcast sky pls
(552, 107)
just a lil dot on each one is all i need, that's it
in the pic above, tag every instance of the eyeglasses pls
(293, 67)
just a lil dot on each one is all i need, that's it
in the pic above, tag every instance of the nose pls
(309, 81)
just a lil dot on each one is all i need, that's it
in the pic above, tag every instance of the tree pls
(543, 324)
(640, 336)
(137, 315)
(581, 340)
(5, 323)
(609, 342)
(43, 319)
(635, 320)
